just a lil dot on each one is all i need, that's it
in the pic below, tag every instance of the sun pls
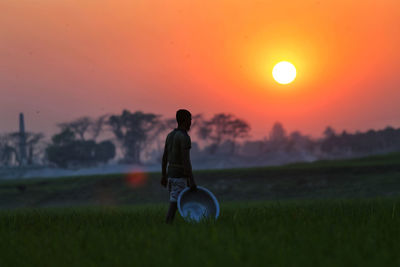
(284, 72)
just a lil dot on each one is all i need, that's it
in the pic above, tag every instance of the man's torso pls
(177, 140)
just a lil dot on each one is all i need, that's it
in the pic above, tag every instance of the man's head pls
(184, 119)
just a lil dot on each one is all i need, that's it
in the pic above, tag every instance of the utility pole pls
(22, 141)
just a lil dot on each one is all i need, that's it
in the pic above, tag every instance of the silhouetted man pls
(177, 157)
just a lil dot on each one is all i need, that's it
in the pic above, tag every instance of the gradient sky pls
(63, 59)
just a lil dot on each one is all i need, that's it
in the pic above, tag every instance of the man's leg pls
(171, 212)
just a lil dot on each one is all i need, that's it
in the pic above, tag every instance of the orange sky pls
(63, 59)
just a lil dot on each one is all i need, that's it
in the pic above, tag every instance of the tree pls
(132, 131)
(105, 151)
(97, 126)
(300, 143)
(66, 150)
(278, 133)
(32, 141)
(79, 126)
(86, 128)
(222, 127)
(278, 139)
(329, 132)
(237, 128)
(61, 151)
(6, 150)
(64, 138)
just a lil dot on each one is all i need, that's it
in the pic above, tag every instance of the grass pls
(326, 213)
(357, 178)
(285, 233)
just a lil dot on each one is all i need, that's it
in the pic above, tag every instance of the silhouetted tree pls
(278, 133)
(66, 150)
(278, 139)
(237, 128)
(86, 128)
(65, 137)
(329, 132)
(79, 126)
(32, 141)
(300, 143)
(104, 151)
(359, 143)
(253, 148)
(7, 151)
(133, 130)
(222, 127)
(97, 126)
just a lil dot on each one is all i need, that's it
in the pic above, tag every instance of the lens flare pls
(136, 178)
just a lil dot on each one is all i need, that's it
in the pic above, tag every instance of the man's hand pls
(193, 187)
(164, 181)
(192, 184)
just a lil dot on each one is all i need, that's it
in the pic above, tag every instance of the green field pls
(289, 233)
(328, 213)
(376, 176)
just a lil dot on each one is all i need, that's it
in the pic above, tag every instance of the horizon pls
(64, 60)
(191, 133)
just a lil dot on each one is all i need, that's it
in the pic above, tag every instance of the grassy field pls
(358, 178)
(327, 213)
(269, 233)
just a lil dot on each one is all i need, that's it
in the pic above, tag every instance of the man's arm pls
(164, 166)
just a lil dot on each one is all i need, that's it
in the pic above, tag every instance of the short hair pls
(183, 115)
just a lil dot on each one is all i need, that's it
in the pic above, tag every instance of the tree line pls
(138, 138)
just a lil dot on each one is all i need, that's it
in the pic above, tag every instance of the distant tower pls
(22, 140)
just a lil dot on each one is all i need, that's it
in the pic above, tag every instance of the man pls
(177, 156)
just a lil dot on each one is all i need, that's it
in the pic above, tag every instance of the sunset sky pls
(61, 59)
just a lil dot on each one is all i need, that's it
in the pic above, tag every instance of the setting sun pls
(284, 72)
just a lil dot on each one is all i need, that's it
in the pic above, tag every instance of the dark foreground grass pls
(290, 233)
